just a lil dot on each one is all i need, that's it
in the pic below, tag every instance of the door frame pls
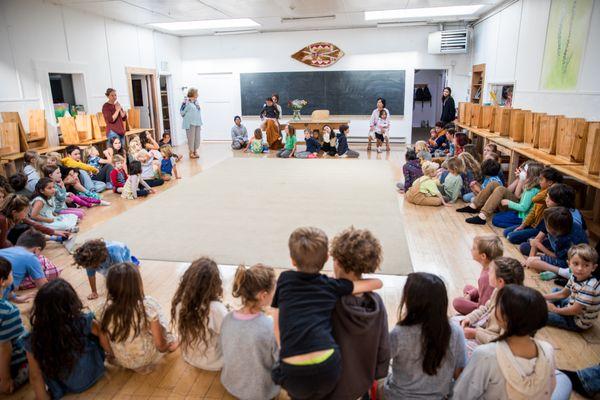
(152, 79)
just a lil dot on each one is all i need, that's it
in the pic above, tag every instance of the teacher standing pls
(192, 121)
(114, 116)
(448, 106)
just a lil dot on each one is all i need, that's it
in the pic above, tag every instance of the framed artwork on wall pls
(568, 26)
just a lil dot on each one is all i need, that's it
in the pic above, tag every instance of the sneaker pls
(344, 156)
(379, 150)
(74, 229)
(476, 220)
(104, 203)
(467, 209)
(547, 275)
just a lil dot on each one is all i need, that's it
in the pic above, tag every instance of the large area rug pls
(243, 210)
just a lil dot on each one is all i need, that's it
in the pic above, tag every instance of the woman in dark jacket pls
(448, 106)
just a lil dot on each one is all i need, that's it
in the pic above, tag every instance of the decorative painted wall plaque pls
(320, 54)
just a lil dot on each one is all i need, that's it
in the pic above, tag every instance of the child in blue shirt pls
(14, 371)
(168, 164)
(312, 145)
(553, 242)
(309, 360)
(96, 255)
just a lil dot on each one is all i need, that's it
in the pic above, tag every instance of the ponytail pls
(249, 282)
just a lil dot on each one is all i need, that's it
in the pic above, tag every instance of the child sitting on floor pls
(61, 196)
(247, 374)
(329, 141)
(168, 164)
(460, 141)
(97, 255)
(489, 173)
(515, 366)
(18, 182)
(14, 370)
(359, 322)
(485, 249)
(562, 234)
(411, 170)
(133, 322)
(309, 360)
(256, 145)
(422, 151)
(577, 305)
(82, 197)
(343, 150)
(197, 313)
(290, 143)
(530, 226)
(312, 145)
(118, 176)
(434, 133)
(481, 325)
(30, 163)
(451, 186)
(472, 174)
(43, 208)
(150, 168)
(489, 148)
(424, 191)
(131, 189)
(63, 346)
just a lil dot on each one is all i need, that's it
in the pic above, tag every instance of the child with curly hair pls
(133, 322)
(197, 314)
(247, 374)
(97, 255)
(359, 321)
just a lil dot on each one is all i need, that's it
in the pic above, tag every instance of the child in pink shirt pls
(485, 249)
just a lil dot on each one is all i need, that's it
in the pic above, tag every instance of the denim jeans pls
(89, 184)
(590, 379)
(563, 388)
(525, 247)
(113, 134)
(566, 322)
(468, 197)
(504, 219)
(518, 237)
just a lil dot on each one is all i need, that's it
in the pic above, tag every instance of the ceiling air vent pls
(448, 42)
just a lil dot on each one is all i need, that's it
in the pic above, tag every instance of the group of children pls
(328, 143)
(323, 337)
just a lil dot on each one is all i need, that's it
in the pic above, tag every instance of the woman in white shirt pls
(373, 124)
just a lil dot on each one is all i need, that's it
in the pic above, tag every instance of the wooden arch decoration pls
(319, 55)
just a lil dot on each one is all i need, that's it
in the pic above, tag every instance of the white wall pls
(511, 44)
(366, 49)
(37, 37)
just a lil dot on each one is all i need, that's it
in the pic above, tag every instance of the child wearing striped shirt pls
(13, 365)
(576, 306)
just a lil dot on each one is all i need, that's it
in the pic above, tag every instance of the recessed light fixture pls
(429, 12)
(207, 24)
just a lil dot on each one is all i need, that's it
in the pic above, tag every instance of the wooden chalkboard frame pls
(340, 92)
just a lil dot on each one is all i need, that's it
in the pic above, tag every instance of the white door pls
(215, 93)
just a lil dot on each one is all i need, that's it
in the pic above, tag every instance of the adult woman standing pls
(373, 123)
(448, 106)
(192, 121)
(114, 115)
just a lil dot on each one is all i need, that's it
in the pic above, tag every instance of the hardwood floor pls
(439, 240)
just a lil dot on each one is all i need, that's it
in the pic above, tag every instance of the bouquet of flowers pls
(296, 105)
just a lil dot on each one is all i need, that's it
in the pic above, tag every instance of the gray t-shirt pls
(407, 380)
(239, 133)
(249, 353)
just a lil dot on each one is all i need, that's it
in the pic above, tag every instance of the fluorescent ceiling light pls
(236, 32)
(315, 18)
(207, 24)
(422, 12)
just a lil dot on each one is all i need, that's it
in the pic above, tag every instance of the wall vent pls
(448, 42)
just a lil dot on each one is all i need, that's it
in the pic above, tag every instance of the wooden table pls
(312, 124)
(484, 133)
(8, 161)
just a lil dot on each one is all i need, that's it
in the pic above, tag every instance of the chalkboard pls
(340, 92)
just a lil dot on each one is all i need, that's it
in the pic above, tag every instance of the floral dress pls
(139, 352)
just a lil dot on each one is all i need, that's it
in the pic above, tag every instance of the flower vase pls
(296, 116)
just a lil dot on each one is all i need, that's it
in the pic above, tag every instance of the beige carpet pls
(244, 209)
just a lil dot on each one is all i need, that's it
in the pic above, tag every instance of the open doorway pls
(142, 95)
(165, 87)
(427, 107)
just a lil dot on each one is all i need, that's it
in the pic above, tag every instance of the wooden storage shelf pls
(477, 81)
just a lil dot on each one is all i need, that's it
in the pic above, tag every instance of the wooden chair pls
(319, 115)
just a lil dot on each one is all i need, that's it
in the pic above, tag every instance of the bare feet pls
(92, 296)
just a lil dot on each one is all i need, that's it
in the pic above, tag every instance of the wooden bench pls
(485, 134)
(8, 161)
(509, 147)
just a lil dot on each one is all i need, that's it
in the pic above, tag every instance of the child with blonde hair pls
(131, 189)
(118, 176)
(422, 151)
(485, 249)
(134, 324)
(197, 314)
(54, 158)
(452, 184)
(168, 164)
(424, 191)
(91, 156)
(247, 374)
(471, 175)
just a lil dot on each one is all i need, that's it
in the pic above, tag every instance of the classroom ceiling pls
(268, 13)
